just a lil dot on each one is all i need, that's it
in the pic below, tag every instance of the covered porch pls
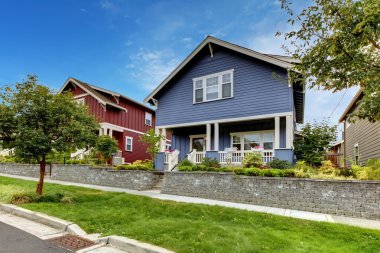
(230, 141)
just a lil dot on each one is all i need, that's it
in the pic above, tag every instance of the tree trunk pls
(42, 176)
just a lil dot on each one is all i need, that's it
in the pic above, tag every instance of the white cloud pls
(150, 67)
(108, 5)
(83, 10)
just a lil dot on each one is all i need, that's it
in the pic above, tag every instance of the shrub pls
(185, 168)
(253, 159)
(28, 197)
(147, 163)
(369, 172)
(327, 168)
(280, 164)
(134, 167)
(302, 166)
(23, 198)
(210, 163)
(185, 162)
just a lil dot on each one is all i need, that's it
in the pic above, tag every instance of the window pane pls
(268, 137)
(199, 95)
(211, 81)
(226, 90)
(199, 84)
(226, 78)
(268, 145)
(237, 146)
(251, 141)
(236, 139)
(211, 92)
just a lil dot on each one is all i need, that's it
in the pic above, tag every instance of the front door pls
(198, 143)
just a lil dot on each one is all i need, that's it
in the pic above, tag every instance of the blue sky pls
(130, 46)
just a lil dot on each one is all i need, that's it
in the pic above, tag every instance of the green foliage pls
(266, 172)
(253, 159)
(280, 164)
(106, 146)
(210, 163)
(317, 138)
(338, 44)
(152, 140)
(135, 167)
(369, 172)
(185, 162)
(29, 197)
(35, 121)
(327, 168)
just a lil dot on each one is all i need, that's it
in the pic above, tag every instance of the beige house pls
(361, 139)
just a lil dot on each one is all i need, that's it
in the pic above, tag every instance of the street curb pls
(120, 242)
(131, 245)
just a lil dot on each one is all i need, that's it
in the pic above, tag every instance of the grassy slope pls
(195, 228)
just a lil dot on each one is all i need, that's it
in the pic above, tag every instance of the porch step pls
(159, 183)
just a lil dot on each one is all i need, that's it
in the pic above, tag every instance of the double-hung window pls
(148, 119)
(128, 143)
(213, 87)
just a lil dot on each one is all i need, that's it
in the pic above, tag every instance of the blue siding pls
(256, 92)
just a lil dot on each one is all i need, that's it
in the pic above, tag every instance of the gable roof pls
(351, 106)
(96, 92)
(278, 60)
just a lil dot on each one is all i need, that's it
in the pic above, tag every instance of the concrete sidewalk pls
(372, 224)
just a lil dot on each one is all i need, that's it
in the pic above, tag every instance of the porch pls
(229, 142)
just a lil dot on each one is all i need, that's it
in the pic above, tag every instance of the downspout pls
(344, 143)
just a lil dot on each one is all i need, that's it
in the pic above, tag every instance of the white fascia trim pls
(81, 95)
(256, 117)
(83, 88)
(225, 44)
(118, 128)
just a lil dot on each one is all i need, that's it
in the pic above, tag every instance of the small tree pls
(35, 121)
(317, 138)
(106, 146)
(152, 140)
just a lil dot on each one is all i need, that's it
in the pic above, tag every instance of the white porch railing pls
(7, 152)
(196, 156)
(236, 157)
(171, 159)
(80, 153)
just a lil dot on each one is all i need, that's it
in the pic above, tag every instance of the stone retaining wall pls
(340, 197)
(135, 180)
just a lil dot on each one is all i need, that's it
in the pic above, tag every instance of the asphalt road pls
(13, 240)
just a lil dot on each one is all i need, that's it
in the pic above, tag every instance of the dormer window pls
(213, 87)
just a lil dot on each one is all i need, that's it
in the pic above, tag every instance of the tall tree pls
(36, 121)
(316, 139)
(338, 44)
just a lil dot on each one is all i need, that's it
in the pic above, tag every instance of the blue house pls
(224, 101)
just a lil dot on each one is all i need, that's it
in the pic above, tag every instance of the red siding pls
(138, 148)
(133, 119)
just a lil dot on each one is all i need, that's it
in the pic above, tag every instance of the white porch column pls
(208, 137)
(101, 131)
(110, 132)
(289, 131)
(277, 132)
(163, 140)
(216, 136)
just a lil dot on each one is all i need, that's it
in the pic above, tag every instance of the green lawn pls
(192, 227)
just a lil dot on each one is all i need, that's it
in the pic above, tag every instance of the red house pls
(119, 116)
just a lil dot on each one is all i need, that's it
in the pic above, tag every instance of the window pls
(236, 142)
(128, 143)
(168, 146)
(356, 154)
(148, 119)
(80, 101)
(213, 87)
(250, 140)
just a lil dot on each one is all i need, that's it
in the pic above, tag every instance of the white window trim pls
(126, 143)
(220, 91)
(196, 136)
(358, 154)
(241, 134)
(151, 118)
(80, 101)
